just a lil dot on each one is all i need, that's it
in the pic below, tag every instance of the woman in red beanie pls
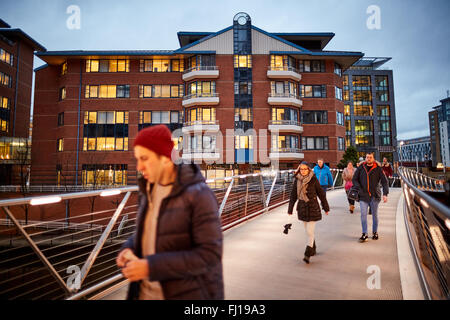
(176, 251)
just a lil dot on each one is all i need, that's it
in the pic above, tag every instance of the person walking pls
(306, 189)
(387, 168)
(367, 179)
(323, 174)
(347, 175)
(176, 251)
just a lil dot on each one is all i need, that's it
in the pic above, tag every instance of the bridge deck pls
(260, 262)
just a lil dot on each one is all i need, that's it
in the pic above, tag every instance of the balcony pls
(286, 154)
(201, 72)
(198, 126)
(284, 99)
(198, 155)
(285, 126)
(284, 72)
(200, 99)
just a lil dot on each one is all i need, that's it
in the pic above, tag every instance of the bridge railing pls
(64, 246)
(428, 226)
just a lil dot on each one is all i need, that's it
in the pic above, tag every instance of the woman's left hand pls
(327, 212)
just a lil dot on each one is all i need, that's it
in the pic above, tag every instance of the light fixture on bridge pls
(44, 200)
(108, 193)
(447, 223)
(424, 203)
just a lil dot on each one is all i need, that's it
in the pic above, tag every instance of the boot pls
(313, 253)
(308, 252)
(352, 208)
(287, 227)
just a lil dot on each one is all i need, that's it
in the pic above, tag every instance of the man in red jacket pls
(367, 179)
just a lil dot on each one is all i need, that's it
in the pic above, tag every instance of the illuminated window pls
(62, 93)
(6, 57)
(161, 91)
(60, 145)
(242, 61)
(5, 103)
(347, 110)
(104, 174)
(284, 113)
(161, 65)
(383, 111)
(112, 65)
(5, 80)
(364, 111)
(107, 91)
(243, 142)
(105, 131)
(205, 115)
(202, 88)
(64, 68)
(313, 91)
(283, 142)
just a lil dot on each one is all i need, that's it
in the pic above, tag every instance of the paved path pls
(260, 262)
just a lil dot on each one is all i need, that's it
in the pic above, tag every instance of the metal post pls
(38, 252)
(225, 198)
(90, 261)
(335, 179)
(271, 190)
(263, 193)
(246, 198)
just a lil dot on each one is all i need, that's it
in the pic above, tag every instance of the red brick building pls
(16, 76)
(237, 100)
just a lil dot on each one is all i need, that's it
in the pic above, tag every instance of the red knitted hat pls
(156, 138)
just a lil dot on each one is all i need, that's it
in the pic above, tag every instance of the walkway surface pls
(261, 262)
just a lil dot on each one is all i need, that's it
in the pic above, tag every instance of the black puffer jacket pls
(188, 258)
(367, 180)
(309, 211)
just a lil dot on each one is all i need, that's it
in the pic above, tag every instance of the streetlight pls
(401, 155)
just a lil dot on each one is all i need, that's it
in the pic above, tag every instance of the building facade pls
(16, 76)
(238, 100)
(370, 109)
(415, 150)
(435, 141)
(441, 127)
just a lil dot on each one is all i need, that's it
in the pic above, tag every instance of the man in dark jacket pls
(367, 179)
(176, 251)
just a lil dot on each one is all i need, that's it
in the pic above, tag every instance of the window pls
(5, 80)
(62, 93)
(202, 88)
(314, 117)
(107, 91)
(284, 142)
(105, 131)
(243, 87)
(385, 140)
(6, 57)
(339, 118)
(338, 93)
(313, 91)
(283, 88)
(243, 142)
(201, 60)
(383, 111)
(112, 65)
(60, 145)
(347, 110)
(104, 174)
(5, 103)
(385, 125)
(341, 144)
(64, 68)
(202, 143)
(312, 65)
(60, 119)
(315, 143)
(282, 62)
(382, 89)
(242, 61)
(161, 91)
(161, 65)
(243, 114)
(363, 111)
(364, 132)
(284, 113)
(338, 69)
(172, 119)
(4, 125)
(204, 115)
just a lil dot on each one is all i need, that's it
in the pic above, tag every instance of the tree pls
(351, 154)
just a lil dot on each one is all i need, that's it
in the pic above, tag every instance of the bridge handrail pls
(431, 225)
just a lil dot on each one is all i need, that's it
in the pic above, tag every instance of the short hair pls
(371, 152)
(320, 159)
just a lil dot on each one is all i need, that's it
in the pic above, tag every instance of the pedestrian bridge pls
(409, 261)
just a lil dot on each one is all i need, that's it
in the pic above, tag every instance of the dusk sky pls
(414, 33)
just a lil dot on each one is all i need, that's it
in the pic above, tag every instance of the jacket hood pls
(187, 174)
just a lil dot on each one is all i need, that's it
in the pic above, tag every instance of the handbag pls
(353, 194)
(348, 185)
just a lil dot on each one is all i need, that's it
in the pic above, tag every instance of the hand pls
(384, 199)
(124, 257)
(327, 212)
(136, 270)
